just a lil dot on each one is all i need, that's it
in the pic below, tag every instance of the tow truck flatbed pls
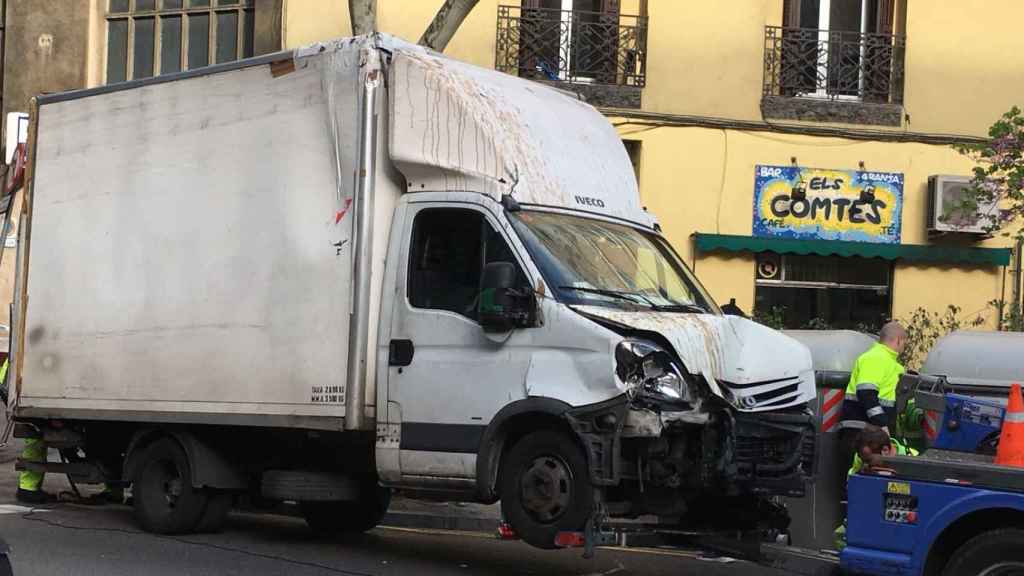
(963, 469)
(939, 513)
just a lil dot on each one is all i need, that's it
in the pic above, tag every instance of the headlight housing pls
(650, 371)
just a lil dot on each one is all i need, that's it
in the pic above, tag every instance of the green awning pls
(907, 252)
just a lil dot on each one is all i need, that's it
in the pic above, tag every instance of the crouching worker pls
(869, 446)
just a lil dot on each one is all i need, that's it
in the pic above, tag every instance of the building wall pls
(45, 49)
(965, 63)
(308, 21)
(702, 180)
(964, 67)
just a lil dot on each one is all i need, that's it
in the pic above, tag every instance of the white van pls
(319, 275)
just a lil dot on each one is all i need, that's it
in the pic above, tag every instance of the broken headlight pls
(648, 370)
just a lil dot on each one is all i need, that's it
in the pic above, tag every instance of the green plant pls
(774, 317)
(924, 328)
(1009, 317)
(998, 176)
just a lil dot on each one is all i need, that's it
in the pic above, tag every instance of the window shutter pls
(884, 23)
(791, 13)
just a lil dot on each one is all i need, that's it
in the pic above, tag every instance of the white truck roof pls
(459, 127)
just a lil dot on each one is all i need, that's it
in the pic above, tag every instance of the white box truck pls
(321, 275)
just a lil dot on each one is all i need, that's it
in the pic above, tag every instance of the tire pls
(163, 497)
(545, 488)
(218, 504)
(994, 553)
(348, 517)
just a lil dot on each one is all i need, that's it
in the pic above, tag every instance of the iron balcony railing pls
(833, 64)
(572, 45)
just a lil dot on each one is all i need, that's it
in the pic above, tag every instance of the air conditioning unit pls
(945, 194)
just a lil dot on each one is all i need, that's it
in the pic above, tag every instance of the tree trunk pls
(446, 23)
(363, 14)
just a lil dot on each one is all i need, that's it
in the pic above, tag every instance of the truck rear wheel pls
(348, 517)
(995, 553)
(545, 488)
(164, 499)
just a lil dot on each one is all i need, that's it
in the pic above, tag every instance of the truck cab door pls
(446, 376)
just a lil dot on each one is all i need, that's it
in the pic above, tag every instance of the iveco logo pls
(588, 201)
(748, 401)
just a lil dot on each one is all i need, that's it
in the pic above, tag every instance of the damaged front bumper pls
(775, 452)
(712, 449)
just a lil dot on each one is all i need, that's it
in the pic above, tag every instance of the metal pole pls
(359, 328)
(1018, 274)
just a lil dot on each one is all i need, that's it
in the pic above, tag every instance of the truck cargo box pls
(187, 246)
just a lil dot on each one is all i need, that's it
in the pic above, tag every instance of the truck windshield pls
(589, 261)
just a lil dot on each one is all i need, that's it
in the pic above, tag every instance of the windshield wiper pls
(682, 307)
(627, 296)
(638, 298)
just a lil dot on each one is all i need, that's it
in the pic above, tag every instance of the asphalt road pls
(78, 540)
(82, 540)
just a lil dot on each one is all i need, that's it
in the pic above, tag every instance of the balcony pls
(601, 55)
(833, 76)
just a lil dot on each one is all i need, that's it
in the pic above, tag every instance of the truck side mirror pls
(501, 307)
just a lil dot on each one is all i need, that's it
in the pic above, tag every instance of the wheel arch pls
(966, 527)
(510, 423)
(208, 467)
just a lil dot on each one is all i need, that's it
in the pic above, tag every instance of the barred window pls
(151, 37)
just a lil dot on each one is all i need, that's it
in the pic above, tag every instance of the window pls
(581, 41)
(449, 249)
(823, 291)
(831, 56)
(836, 49)
(151, 37)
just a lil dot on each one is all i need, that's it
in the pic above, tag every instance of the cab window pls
(449, 249)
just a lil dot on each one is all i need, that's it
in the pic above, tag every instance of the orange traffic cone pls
(1011, 438)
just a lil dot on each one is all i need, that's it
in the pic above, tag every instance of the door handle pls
(400, 352)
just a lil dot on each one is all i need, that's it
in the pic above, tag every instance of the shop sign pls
(851, 205)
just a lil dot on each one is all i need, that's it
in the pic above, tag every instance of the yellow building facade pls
(786, 146)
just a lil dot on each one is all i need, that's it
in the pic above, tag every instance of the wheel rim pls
(1003, 569)
(168, 481)
(546, 489)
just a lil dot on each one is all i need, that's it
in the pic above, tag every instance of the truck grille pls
(768, 393)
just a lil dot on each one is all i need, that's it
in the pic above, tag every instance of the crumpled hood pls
(751, 366)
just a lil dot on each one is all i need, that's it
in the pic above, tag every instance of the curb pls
(434, 522)
(423, 520)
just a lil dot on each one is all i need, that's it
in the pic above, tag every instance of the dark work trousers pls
(847, 436)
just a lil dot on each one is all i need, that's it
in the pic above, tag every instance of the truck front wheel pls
(165, 500)
(545, 488)
(995, 553)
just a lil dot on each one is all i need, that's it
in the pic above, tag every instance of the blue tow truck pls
(948, 512)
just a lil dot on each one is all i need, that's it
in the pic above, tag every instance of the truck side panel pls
(882, 540)
(186, 254)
